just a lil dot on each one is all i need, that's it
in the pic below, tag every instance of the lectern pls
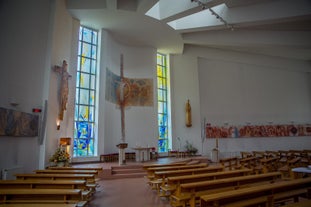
(122, 147)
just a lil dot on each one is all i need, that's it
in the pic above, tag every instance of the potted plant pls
(60, 157)
(190, 148)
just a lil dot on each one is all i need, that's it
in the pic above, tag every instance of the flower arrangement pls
(60, 155)
(190, 148)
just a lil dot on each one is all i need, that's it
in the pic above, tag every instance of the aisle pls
(132, 192)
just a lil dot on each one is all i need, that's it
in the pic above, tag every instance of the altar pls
(142, 153)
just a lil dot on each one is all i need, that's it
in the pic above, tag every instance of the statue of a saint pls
(188, 114)
(64, 90)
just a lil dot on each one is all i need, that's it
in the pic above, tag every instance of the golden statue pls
(188, 114)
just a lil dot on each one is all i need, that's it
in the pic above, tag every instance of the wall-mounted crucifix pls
(64, 90)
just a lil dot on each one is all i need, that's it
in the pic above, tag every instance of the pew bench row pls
(55, 186)
(190, 192)
(261, 194)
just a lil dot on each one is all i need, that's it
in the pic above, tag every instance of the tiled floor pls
(127, 192)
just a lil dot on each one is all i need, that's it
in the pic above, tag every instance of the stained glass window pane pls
(83, 113)
(87, 35)
(93, 82)
(160, 107)
(91, 148)
(94, 37)
(78, 79)
(93, 67)
(85, 65)
(159, 71)
(162, 145)
(85, 80)
(162, 103)
(160, 95)
(160, 85)
(92, 97)
(86, 50)
(91, 114)
(94, 52)
(84, 96)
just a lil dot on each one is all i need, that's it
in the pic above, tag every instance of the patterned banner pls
(137, 92)
(290, 130)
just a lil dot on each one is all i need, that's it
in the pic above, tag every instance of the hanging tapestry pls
(18, 124)
(135, 91)
(290, 130)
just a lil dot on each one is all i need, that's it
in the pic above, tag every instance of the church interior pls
(161, 94)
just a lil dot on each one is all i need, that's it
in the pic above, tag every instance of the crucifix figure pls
(123, 93)
(64, 90)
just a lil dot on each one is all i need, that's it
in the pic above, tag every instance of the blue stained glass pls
(85, 65)
(84, 129)
(84, 96)
(87, 35)
(78, 80)
(83, 113)
(94, 37)
(162, 119)
(93, 67)
(91, 148)
(162, 145)
(86, 50)
(94, 52)
(91, 114)
(162, 103)
(162, 131)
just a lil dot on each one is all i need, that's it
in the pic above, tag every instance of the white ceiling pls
(271, 27)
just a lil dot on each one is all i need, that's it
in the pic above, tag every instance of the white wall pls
(236, 88)
(25, 26)
(140, 122)
(64, 46)
(185, 85)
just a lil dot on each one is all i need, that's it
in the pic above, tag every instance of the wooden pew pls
(146, 166)
(160, 176)
(304, 203)
(33, 176)
(93, 172)
(266, 165)
(58, 184)
(75, 168)
(191, 191)
(261, 194)
(230, 163)
(174, 182)
(39, 205)
(151, 170)
(150, 173)
(42, 196)
(87, 190)
(249, 162)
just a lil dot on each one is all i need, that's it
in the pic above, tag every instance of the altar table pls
(142, 153)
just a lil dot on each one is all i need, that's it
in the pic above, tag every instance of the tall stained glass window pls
(162, 89)
(84, 122)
